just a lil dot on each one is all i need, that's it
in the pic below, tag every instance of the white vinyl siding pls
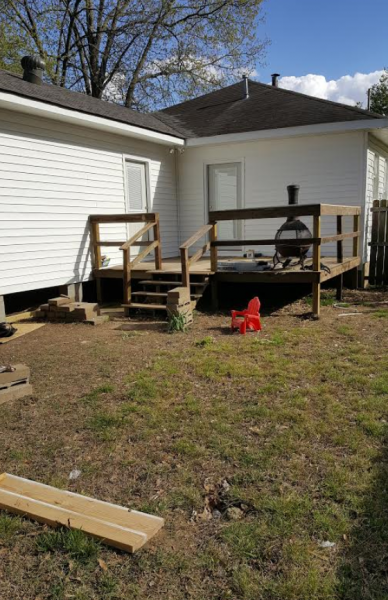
(329, 169)
(376, 184)
(52, 177)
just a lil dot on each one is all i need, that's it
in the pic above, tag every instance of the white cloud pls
(348, 89)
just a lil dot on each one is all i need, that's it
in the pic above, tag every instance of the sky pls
(334, 49)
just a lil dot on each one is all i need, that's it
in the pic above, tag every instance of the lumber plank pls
(114, 524)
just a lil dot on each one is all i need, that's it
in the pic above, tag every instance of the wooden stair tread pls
(175, 283)
(145, 306)
(151, 294)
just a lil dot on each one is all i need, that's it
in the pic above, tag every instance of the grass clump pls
(9, 527)
(70, 541)
(177, 324)
(94, 395)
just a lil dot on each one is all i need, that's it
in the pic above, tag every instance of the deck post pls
(340, 284)
(317, 267)
(2, 310)
(356, 249)
(213, 249)
(340, 244)
(185, 267)
(97, 257)
(127, 291)
(158, 249)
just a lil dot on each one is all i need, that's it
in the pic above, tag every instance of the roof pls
(227, 111)
(59, 96)
(221, 112)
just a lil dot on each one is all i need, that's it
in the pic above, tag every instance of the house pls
(65, 156)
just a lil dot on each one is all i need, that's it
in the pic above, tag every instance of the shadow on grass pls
(363, 574)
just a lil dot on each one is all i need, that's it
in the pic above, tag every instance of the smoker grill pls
(293, 228)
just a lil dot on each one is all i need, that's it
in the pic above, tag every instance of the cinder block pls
(15, 392)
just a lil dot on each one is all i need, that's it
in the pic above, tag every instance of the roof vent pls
(33, 67)
(245, 81)
(275, 79)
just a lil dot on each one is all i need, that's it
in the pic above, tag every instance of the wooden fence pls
(378, 268)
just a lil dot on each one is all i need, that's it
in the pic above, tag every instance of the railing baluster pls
(213, 249)
(158, 249)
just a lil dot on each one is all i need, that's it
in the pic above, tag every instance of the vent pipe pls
(245, 86)
(275, 79)
(33, 67)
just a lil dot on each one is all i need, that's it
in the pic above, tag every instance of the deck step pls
(151, 294)
(175, 283)
(141, 306)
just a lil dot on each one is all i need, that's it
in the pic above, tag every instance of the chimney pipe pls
(245, 86)
(33, 67)
(293, 194)
(275, 79)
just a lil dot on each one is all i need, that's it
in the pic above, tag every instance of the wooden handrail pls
(273, 212)
(286, 241)
(135, 237)
(197, 236)
(184, 249)
(151, 221)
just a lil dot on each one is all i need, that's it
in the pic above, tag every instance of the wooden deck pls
(209, 265)
(172, 266)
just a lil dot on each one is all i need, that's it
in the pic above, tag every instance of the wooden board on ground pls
(22, 329)
(114, 525)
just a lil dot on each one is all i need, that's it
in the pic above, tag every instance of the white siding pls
(376, 184)
(329, 169)
(52, 177)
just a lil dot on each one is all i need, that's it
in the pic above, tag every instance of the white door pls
(224, 189)
(136, 185)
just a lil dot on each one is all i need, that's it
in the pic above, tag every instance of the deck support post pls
(158, 250)
(317, 267)
(73, 290)
(340, 285)
(127, 291)
(185, 267)
(214, 292)
(2, 310)
(213, 249)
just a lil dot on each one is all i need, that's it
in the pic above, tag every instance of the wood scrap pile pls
(179, 303)
(14, 383)
(63, 309)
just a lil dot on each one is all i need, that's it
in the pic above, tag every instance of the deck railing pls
(316, 211)
(151, 221)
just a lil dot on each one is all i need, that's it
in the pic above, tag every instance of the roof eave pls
(286, 132)
(17, 103)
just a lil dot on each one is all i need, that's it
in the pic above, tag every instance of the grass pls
(294, 420)
(74, 543)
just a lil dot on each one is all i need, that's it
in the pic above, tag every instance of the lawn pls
(266, 455)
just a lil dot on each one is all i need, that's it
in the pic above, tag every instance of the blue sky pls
(330, 38)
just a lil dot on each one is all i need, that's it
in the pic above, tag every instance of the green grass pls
(74, 543)
(293, 419)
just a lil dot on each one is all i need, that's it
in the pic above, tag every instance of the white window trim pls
(147, 162)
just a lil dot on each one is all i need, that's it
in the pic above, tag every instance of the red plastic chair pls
(248, 318)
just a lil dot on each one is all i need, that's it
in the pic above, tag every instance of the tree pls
(11, 48)
(379, 95)
(144, 53)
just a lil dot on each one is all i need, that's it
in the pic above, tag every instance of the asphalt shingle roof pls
(221, 112)
(227, 111)
(59, 96)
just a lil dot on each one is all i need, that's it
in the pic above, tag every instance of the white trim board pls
(285, 132)
(50, 111)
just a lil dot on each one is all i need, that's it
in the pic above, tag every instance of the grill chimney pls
(245, 81)
(275, 79)
(33, 67)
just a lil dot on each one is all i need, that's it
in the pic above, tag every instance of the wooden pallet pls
(114, 525)
(15, 384)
